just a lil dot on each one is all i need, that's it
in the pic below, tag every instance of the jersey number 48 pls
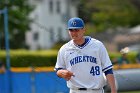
(95, 70)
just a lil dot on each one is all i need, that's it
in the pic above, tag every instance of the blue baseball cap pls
(75, 23)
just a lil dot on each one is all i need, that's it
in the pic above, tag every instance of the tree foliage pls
(18, 21)
(105, 14)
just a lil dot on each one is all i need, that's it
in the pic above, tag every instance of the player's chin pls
(74, 37)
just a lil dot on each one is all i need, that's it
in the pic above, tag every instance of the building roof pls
(127, 38)
(135, 29)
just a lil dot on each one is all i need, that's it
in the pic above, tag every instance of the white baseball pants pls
(86, 91)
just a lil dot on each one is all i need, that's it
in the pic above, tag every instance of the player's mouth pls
(74, 37)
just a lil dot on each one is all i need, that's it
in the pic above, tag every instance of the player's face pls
(76, 34)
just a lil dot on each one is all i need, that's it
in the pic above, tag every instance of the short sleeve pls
(105, 60)
(60, 63)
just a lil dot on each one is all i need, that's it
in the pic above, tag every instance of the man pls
(138, 57)
(123, 58)
(83, 62)
(2, 67)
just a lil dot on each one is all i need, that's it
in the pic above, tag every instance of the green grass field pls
(130, 92)
(127, 92)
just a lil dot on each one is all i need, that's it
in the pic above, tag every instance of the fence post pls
(33, 80)
(8, 72)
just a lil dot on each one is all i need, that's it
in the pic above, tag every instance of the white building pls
(50, 22)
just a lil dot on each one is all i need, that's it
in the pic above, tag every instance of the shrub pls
(24, 58)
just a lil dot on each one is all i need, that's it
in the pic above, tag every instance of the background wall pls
(34, 82)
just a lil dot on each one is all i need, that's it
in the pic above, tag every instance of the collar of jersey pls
(88, 40)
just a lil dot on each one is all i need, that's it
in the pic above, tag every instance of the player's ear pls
(84, 29)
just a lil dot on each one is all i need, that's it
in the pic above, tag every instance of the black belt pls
(82, 88)
(87, 89)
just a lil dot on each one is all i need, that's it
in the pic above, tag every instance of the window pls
(58, 6)
(35, 36)
(51, 34)
(51, 6)
(60, 34)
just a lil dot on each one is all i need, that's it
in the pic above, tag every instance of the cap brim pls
(74, 28)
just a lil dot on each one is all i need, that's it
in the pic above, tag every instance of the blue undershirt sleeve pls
(110, 71)
(56, 69)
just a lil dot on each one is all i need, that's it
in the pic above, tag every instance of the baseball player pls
(84, 62)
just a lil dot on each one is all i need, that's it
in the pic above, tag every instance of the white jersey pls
(87, 63)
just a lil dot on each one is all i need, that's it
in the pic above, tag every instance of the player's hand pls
(65, 74)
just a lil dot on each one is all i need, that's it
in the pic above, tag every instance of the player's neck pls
(80, 41)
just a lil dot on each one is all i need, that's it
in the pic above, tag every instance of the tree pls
(18, 15)
(109, 13)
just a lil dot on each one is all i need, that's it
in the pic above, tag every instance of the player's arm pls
(111, 80)
(63, 73)
(60, 66)
(107, 67)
